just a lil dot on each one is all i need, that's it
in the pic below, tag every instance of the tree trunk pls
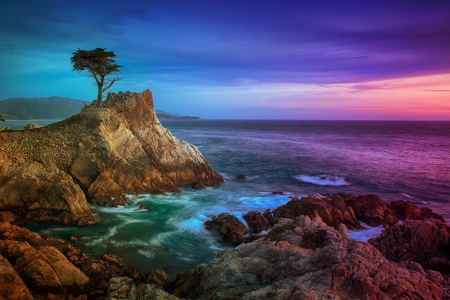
(100, 94)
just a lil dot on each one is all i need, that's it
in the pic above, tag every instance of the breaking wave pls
(324, 179)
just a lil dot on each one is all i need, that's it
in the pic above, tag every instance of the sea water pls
(395, 160)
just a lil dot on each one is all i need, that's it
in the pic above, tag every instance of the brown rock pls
(369, 209)
(228, 227)
(406, 210)
(42, 194)
(158, 278)
(306, 259)
(241, 177)
(423, 241)
(332, 212)
(257, 222)
(119, 200)
(7, 216)
(11, 285)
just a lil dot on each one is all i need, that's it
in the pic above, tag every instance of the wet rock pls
(332, 212)
(228, 227)
(278, 193)
(119, 200)
(304, 259)
(131, 273)
(369, 209)
(256, 222)
(241, 177)
(423, 241)
(407, 210)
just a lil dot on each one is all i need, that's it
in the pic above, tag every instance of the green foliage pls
(100, 64)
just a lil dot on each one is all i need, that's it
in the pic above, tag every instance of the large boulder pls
(228, 227)
(407, 210)
(42, 194)
(11, 285)
(424, 241)
(129, 152)
(369, 209)
(304, 259)
(257, 221)
(332, 212)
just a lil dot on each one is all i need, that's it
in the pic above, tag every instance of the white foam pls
(365, 234)
(324, 179)
(406, 195)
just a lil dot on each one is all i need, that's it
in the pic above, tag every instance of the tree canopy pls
(100, 65)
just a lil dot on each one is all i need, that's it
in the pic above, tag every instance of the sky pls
(248, 59)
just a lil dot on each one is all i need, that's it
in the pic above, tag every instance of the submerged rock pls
(305, 259)
(241, 177)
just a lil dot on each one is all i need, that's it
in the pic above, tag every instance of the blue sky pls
(240, 59)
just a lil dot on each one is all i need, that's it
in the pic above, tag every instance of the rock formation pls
(332, 212)
(306, 259)
(424, 241)
(97, 155)
(228, 227)
(405, 210)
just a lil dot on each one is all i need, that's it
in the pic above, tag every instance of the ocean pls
(395, 160)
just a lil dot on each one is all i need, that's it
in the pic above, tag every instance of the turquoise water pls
(396, 160)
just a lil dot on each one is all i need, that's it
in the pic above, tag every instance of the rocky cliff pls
(46, 174)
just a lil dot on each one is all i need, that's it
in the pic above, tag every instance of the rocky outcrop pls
(369, 209)
(11, 285)
(124, 288)
(424, 241)
(97, 155)
(405, 210)
(257, 222)
(305, 259)
(48, 264)
(228, 227)
(42, 193)
(333, 212)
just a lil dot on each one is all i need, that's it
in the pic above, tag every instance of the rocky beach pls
(299, 250)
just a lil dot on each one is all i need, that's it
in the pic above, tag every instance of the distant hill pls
(40, 108)
(57, 108)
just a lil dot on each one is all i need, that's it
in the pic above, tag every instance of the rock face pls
(305, 259)
(406, 210)
(369, 209)
(424, 241)
(97, 155)
(332, 212)
(42, 194)
(11, 285)
(228, 227)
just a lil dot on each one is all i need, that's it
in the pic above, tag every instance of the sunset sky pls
(377, 60)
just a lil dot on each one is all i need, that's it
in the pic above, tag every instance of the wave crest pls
(324, 179)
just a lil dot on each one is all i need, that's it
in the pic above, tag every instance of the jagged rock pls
(305, 259)
(129, 152)
(11, 285)
(256, 222)
(42, 194)
(369, 209)
(241, 177)
(43, 267)
(123, 288)
(228, 227)
(131, 273)
(424, 241)
(332, 212)
(31, 126)
(406, 210)
(158, 278)
(119, 200)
